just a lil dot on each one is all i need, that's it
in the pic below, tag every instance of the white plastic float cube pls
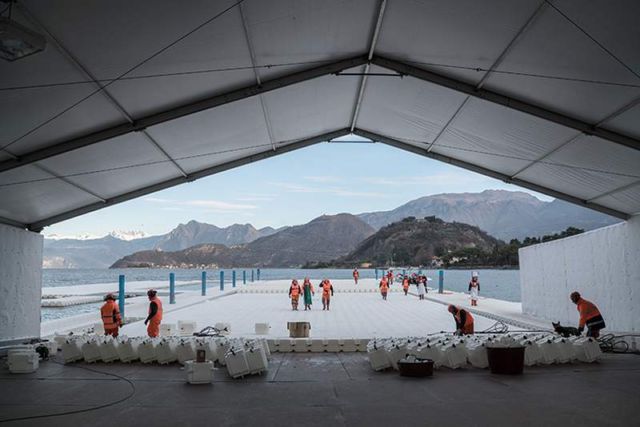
(98, 328)
(262, 328)
(273, 345)
(108, 349)
(333, 345)
(566, 352)
(532, 353)
(477, 355)
(185, 350)
(303, 345)
(22, 360)
(168, 329)
(265, 346)
(147, 350)
(223, 347)
(128, 349)
(318, 345)
(186, 328)
(395, 352)
(236, 362)
(587, 349)
(548, 351)
(348, 345)
(91, 351)
(199, 372)
(284, 345)
(166, 351)
(60, 339)
(71, 350)
(209, 346)
(256, 359)
(377, 356)
(454, 355)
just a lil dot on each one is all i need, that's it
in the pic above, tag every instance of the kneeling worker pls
(464, 320)
(589, 315)
(110, 313)
(155, 314)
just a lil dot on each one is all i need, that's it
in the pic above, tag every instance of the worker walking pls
(589, 315)
(110, 313)
(390, 278)
(294, 294)
(384, 287)
(474, 288)
(356, 275)
(464, 320)
(405, 285)
(327, 293)
(307, 293)
(154, 318)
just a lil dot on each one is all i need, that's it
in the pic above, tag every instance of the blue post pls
(172, 288)
(440, 281)
(244, 277)
(233, 279)
(404, 273)
(258, 275)
(121, 295)
(252, 275)
(376, 274)
(221, 280)
(204, 283)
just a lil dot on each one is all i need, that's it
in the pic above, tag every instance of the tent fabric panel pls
(628, 122)
(421, 31)
(301, 31)
(210, 137)
(29, 194)
(408, 108)
(626, 200)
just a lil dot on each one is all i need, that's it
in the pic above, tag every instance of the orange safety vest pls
(587, 311)
(467, 328)
(326, 289)
(405, 284)
(384, 285)
(356, 273)
(158, 317)
(110, 315)
(295, 290)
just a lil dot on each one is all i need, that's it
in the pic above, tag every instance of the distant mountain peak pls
(128, 234)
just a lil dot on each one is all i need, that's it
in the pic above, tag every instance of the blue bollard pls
(121, 295)
(244, 277)
(258, 275)
(252, 275)
(376, 274)
(172, 288)
(233, 279)
(204, 283)
(221, 280)
(440, 281)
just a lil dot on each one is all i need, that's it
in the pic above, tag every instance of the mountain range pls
(322, 239)
(502, 214)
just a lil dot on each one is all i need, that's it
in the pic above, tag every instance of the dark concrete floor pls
(327, 389)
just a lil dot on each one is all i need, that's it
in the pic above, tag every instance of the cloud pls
(256, 197)
(336, 191)
(431, 180)
(323, 179)
(214, 206)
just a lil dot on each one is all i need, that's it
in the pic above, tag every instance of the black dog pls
(565, 331)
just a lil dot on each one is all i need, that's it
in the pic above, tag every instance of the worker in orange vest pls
(294, 294)
(384, 287)
(111, 316)
(327, 293)
(589, 315)
(405, 285)
(390, 277)
(154, 318)
(464, 320)
(356, 275)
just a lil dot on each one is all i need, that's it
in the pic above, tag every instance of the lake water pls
(499, 284)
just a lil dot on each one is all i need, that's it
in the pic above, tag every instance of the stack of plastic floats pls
(316, 345)
(454, 352)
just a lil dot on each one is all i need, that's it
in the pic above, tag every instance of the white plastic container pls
(186, 328)
(318, 345)
(167, 329)
(262, 328)
(147, 351)
(166, 351)
(333, 345)
(127, 349)
(209, 346)
(223, 327)
(477, 355)
(348, 345)
(548, 351)
(395, 352)
(284, 345)
(302, 345)
(108, 347)
(199, 372)
(98, 328)
(185, 350)
(22, 360)
(256, 360)
(265, 346)
(378, 357)
(71, 350)
(565, 350)
(532, 353)
(236, 362)
(587, 350)
(454, 356)
(91, 351)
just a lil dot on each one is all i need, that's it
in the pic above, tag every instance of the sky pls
(289, 189)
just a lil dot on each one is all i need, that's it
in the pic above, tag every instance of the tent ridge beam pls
(285, 147)
(489, 172)
(142, 123)
(505, 101)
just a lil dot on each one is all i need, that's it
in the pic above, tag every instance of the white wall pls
(20, 283)
(603, 265)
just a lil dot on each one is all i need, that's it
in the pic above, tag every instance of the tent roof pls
(132, 97)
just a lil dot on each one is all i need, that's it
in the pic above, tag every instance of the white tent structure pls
(128, 98)
(131, 97)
